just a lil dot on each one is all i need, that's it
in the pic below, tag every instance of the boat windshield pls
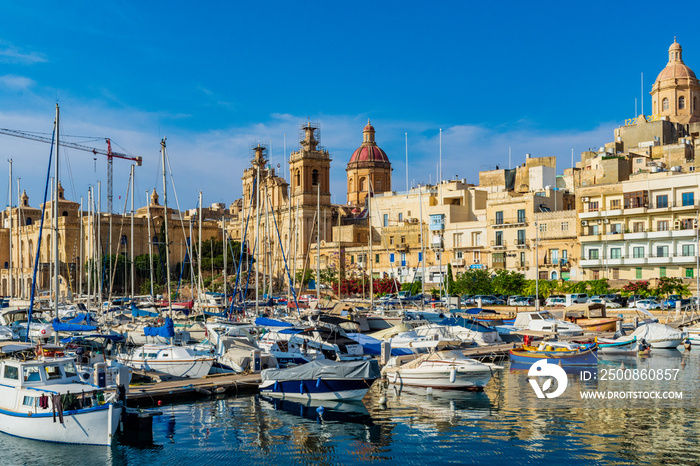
(69, 370)
(31, 374)
(546, 315)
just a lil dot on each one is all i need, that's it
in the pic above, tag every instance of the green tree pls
(670, 285)
(450, 282)
(597, 287)
(508, 282)
(473, 281)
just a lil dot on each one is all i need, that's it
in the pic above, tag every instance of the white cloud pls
(16, 82)
(11, 54)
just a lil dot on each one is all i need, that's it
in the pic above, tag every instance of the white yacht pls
(43, 398)
(178, 361)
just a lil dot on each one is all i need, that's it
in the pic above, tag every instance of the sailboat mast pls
(99, 243)
(422, 249)
(223, 233)
(257, 234)
(131, 247)
(318, 243)
(199, 245)
(369, 229)
(167, 238)
(12, 281)
(150, 240)
(55, 235)
(80, 250)
(90, 249)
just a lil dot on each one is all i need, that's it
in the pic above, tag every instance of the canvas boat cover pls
(391, 332)
(65, 327)
(325, 369)
(373, 347)
(166, 331)
(136, 312)
(657, 332)
(266, 322)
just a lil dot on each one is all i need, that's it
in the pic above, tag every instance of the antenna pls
(642, 94)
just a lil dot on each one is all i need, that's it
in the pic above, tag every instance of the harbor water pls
(504, 424)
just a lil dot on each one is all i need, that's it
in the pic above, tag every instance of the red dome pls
(676, 70)
(369, 154)
(369, 128)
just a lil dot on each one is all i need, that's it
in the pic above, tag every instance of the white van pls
(574, 298)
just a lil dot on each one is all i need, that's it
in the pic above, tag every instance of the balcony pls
(508, 222)
(521, 243)
(498, 245)
(591, 262)
(402, 247)
(498, 264)
(636, 235)
(457, 263)
(587, 215)
(522, 264)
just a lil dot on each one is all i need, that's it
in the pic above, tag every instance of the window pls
(615, 228)
(477, 257)
(543, 227)
(681, 103)
(476, 239)
(593, 206)
(662, 271)
(420, 257)
(596, 274)
(638, 227)
(314, 177)
(564, 256)
(11, 372)
(297, 178)
(29, 401)
(689, 273)
(564, 226)
(662, 201)
(386, 220)
(615, 253)
(614, 204)
(662, 225)
(403, 258)
(638, 273)
(376, 258)
(616, 274)
(521, 237)
(391, 257)
(391, 240)
(52, 372)
(458, 240)
(499, 217)
(31, 374)
(688, 250)
(593, 230)
(437, 256)
(400, 216)
(688, 199)
(664, 104)
(499, 258)
(638, 252)
(403, 240)
(687, 224)
(522, 259)
(352, 259)
(521, 215)
(661, 251)
(499, 238)
(636, 199)
(593, 254)
(458, 255)
(554, 255)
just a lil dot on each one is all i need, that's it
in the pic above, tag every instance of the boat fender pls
(320, 409)
(275, 386)
(453, 374)
(318, 382)
(301, 387)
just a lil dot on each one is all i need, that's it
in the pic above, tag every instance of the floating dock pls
(155, 394)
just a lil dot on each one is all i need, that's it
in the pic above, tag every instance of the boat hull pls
(464, 380)
(319, 389)
(91, 426)
(615, 347)
(583, 358)
(191, 369)
(598, 325)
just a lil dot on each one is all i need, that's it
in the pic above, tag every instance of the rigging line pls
(177, 202)
(116, 261)
(243, 245)
(386, 246)
(38, 245)
(289, 277)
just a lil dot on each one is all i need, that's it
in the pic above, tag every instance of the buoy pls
(429, 390)
(318, 382)
(687, 345)
(301, 387)
(160, 403)
(320, 410)
(275, 386)
(453, 375)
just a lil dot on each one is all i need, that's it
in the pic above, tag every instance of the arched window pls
(65, 213)
(349, 184)
(28, 222)
(314, 177)
(681, 102)
(7, 265)
(363, 187)
(378, 185)
(664, 104)
(695, 103)
(297, 178)
(123, 240)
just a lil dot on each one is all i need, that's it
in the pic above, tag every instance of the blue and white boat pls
(321, 380)
(43, 398)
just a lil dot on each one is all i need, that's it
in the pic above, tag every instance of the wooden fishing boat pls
(591, 317)
(556, 352)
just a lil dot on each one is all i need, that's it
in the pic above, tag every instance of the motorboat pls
(178, 361)
(539, 321)
(622, 346)
(43, 398)
(557, 352)
(39, 329)
(438, 369)
(591, 317)
(659, 335)
(321, 380)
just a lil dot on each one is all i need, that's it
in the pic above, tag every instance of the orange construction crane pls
(110, 155)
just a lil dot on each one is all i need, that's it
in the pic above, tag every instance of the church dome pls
(675, 68)
(369, 151)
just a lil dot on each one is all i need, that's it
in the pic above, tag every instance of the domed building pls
(368, 168)
(676, 91)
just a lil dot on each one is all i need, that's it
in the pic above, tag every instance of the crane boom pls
(110, 155)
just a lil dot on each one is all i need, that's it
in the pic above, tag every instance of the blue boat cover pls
(265, 322)
(61, 327)
(166, 331)
(80, 318)
(373, 346)
(136, 312)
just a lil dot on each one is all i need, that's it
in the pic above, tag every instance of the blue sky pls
(217, 77)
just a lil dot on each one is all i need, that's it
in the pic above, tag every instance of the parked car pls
(575, 298)
(489, 300)
(524, 301)
(647, 304)
(616, 298)
(671, 300)
(512, 299)
(601, 300)
(555, 302)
